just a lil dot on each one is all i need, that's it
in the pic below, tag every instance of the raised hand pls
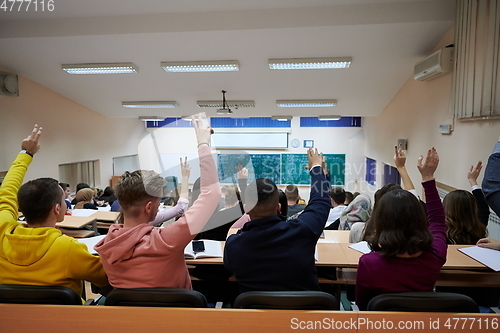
(242, 172)
(185, 168)
(399, 157)
(314, 158)
(203, 131)
(429, 166)
(30, 144)
(474, 173)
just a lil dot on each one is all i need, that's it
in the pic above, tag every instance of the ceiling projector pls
(224, 111)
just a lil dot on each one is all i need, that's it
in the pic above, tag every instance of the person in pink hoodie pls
(137, 255)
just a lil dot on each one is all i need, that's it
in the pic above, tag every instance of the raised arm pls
(15, 176)
(242, 180)
(190, 224)
(400, 161)
(182, 203)
(491, 180)
(316, 212)
(483, 210)
(435, 210)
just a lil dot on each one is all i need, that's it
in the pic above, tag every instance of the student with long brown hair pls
(466, 213)
(409, 247)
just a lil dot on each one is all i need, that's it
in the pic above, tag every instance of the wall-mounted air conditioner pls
(435, 65)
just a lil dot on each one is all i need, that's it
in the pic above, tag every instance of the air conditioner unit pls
(435, 65)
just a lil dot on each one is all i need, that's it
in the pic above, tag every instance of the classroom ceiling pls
(385, 38)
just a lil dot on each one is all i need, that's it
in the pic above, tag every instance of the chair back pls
(156, 297)
(286, 300)
(423, 301)
(29, 294)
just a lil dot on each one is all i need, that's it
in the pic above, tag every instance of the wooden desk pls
(454, 259)
(76, 319)
(76, 222)
(335, 236)
(106, 216)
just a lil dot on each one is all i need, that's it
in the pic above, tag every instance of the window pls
(391, 175)
(80, 172)
(371, 171)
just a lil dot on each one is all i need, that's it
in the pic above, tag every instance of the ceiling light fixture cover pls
(231, 104)
(151, 118)
(282, 118)
(103, 68)
(333, 117)
(306, 103)
(310, 63)
(201, 66)
(151, 105)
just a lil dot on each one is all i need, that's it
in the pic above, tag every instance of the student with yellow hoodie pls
(36, 253)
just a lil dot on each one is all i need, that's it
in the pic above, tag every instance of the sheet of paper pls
(104, 209)
(83, 212)
(90, 242)
(487, 257)
(361, 247)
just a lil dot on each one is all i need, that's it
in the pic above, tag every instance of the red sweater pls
(149, 257)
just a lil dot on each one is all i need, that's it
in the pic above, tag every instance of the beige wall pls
(72, 132)
(415, 114)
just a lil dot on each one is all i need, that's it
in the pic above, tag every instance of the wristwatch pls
(25, 152)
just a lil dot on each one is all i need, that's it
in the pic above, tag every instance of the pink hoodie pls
(147, 257)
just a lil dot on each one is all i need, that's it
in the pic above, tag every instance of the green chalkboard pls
(293, 169)
(283, 169)
(258, 165)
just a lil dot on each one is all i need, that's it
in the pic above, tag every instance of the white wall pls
(415, 114)
(72, 132)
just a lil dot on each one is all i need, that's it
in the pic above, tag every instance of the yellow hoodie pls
(40, 256)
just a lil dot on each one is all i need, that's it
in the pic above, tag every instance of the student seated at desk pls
(85, 199)
(37, 253)
(138, 255)
(271, 253)
(409, 249)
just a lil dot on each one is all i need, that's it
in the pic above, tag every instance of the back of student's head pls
(37, 198)
(400, 224)
(384, 190)
(283, 202)
(462, 223)
(108, 191)
(79, 186)
(136, 188)
(292, 192)
(232, 196)
(262, 197)
(338, 195)
(349, 197)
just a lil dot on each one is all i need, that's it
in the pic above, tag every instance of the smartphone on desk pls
(198, 246)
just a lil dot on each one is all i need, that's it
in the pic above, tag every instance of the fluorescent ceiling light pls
(282, 118)
(230, 104)
(306, 103)
(201, 66)
(112, 68)
(333, 117)
(224, 111)
(151, 118)
(310, 63)
(151, 105)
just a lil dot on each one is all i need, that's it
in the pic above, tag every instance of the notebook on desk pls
(91, 242)
(487, 257)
